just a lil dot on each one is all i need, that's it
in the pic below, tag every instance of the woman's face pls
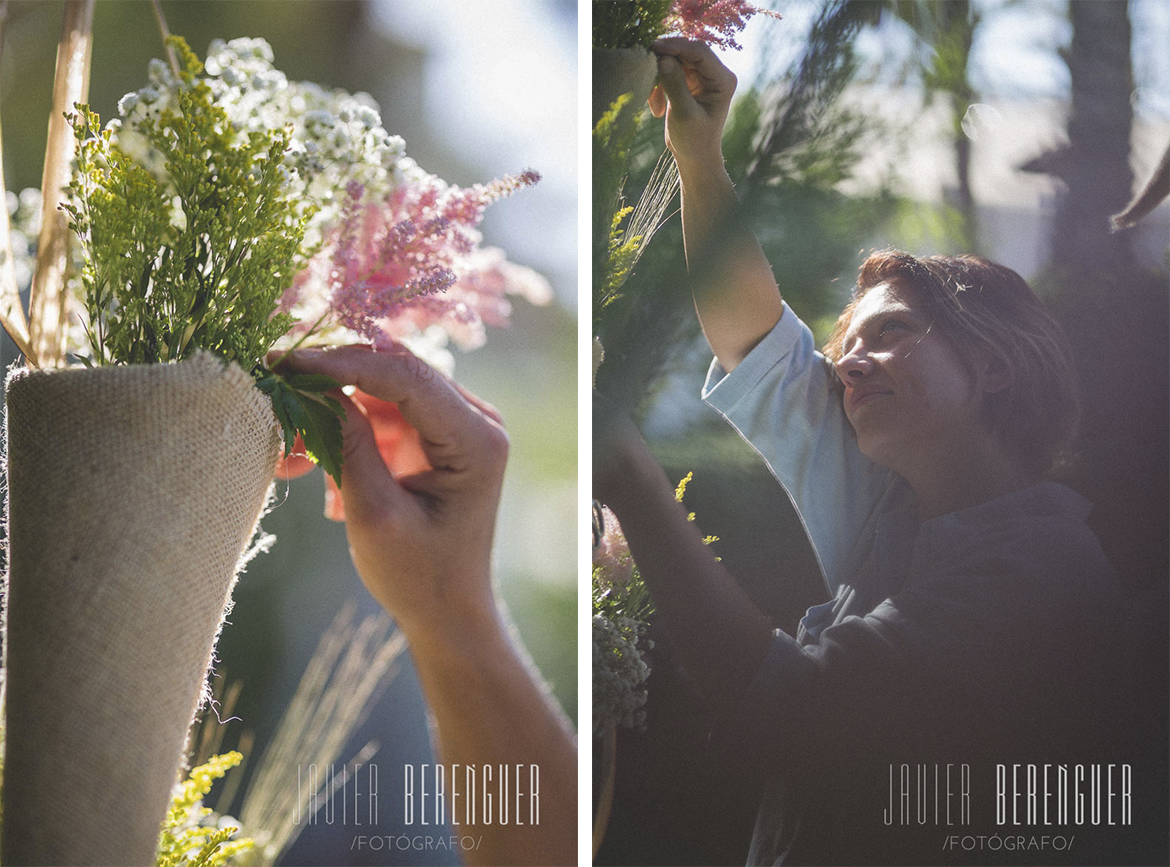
(908, 394)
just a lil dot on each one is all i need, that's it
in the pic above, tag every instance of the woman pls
(964, 638)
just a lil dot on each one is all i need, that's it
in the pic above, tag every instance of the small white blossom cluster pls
(336, 137)
(619, 672)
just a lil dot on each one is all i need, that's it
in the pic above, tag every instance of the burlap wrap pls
(132, 492)
(622, 70)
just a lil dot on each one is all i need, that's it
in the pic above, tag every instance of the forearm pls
(490, 712)
(736, 296)
(720, 634)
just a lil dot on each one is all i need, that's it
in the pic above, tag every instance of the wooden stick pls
(161, 20)
(48, 312)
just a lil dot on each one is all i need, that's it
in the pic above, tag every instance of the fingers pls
(457, 432)
(657, 101)
(694, 92)
(482, 405)
(698, 58)
(672, 81)
(367, 486)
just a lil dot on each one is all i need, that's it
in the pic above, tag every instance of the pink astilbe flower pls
(611, 557)
(409, 261)
(715, 22)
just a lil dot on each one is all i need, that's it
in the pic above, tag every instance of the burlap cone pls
(622, 70)
(132, 492)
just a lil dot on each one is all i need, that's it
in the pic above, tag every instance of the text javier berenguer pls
(1022, 794)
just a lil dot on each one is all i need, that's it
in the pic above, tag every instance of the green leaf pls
(313, 382)
(301, 408)
(271, 384)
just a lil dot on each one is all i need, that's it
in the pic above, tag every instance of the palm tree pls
(1096, 171)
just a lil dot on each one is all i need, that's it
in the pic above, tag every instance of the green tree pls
(946, 32)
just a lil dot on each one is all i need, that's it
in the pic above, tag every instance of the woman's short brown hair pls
(984, 308)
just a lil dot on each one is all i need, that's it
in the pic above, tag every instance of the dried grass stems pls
(348, 672)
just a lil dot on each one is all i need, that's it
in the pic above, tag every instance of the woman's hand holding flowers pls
(421, 478)
(694, 93)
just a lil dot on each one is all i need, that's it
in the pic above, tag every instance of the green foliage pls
(809, 118)
(184, 841)
(621, 258)
(613, 136)
(196, 255)
(301, 406)
(628, 23)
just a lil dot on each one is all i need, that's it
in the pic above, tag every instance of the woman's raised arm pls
(736, 296)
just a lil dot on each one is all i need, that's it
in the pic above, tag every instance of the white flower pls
(619, 673)
(159, 74)
(367, 117)
(233, 77)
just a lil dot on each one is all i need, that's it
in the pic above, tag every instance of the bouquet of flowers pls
(230, 210)
(621, 612)
(621, 609)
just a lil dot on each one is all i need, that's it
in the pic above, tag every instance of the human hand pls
(420, 527)
(694, 93)
(397, 443)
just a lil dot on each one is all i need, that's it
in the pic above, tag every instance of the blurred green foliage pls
(628, 23)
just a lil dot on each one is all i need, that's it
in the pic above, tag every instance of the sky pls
(501, 89)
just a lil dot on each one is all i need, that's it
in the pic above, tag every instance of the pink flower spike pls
(399, 265)
(467, 205)
(715, 22)
(612, 556)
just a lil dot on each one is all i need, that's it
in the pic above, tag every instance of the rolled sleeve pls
(782, 400)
